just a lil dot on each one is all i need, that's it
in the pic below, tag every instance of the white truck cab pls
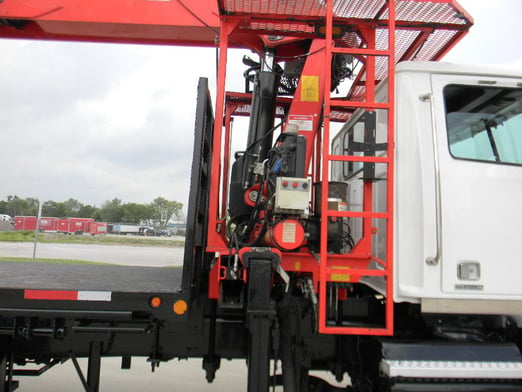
(6, 218)
(458, 181)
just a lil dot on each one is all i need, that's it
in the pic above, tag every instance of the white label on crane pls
(289, 232)
(304, 122)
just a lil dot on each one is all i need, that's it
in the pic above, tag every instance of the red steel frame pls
(325, 267)
(354, 265)
(363, 249)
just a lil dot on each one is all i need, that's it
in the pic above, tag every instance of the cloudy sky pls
(94, 122)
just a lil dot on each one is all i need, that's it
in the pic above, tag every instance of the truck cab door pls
(479, 172)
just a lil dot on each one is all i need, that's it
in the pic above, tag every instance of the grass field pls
(28, 236)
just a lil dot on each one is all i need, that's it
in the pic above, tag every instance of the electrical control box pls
(292, 195)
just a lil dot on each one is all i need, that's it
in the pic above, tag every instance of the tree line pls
(160, 210)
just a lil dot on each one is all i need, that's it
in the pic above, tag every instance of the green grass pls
(28, 236)
(49, 261)
(17, 236)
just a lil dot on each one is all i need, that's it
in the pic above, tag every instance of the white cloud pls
(94, 122)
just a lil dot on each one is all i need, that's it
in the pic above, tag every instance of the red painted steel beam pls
(180, 22)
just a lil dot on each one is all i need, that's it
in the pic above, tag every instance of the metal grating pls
(281, 28)
(432, 48)
(276, 7)
(358, 9)
(427, 12)
(406, 10)
(425, 30)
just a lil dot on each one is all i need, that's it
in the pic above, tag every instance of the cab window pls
(484, 123)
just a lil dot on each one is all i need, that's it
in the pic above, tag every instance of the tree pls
(112, 211)
(21, 207)
(3, 207)
(55, 209)
(88, 211)
(72, 206)
(135, 213)
(165, 209)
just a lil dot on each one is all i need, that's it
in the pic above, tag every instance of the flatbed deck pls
(44, 276)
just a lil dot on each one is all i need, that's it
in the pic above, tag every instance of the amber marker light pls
(338, 30)
(180, 307)
(155, 302)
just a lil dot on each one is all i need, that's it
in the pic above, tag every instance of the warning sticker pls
(310, 88)
(289, 229)
(304, 122)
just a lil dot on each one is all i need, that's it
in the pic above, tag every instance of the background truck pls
(131, 229)
(60, 225)
(6, 218)
(98, 228)
(373, 251)
(6, 222)
(76, 226)
(30, 223)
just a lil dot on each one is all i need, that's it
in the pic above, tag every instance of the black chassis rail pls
(126, 326)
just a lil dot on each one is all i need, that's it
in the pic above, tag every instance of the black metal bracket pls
(366, 147)
(7, 384)
(369, 146)
(36, 372)
(92, 383)
(260, 316)
(211, 361)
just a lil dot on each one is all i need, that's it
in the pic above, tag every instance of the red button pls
(285, 184)
(295, 184)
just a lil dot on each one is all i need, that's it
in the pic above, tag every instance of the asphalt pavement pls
(173, 376)
(138, 256)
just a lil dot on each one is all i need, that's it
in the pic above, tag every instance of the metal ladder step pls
(452, 369)
(452, 361)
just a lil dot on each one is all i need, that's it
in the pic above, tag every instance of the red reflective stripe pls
(51, 295)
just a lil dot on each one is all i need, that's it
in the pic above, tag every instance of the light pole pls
(37, 229)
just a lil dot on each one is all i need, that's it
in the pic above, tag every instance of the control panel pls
(292, 195)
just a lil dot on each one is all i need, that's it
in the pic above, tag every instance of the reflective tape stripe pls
(68, 295)
(94, 296)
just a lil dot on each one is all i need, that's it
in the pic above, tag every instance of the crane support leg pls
(6, 373)
(261, 314)
(93, 367)
(92, 384)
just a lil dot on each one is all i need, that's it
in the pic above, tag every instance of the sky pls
(94, 122)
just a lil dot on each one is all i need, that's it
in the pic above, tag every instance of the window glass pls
(484, 123)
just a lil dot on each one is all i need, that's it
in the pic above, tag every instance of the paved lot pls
(156, 256)
(173, 376)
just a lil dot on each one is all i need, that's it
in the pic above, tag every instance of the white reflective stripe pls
(94, 296)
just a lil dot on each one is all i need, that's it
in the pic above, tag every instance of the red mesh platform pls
(425, 30)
